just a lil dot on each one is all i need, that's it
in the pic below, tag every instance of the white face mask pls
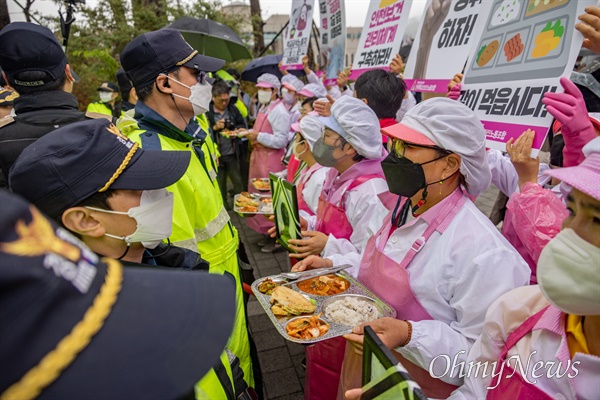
(297, 154)
(154, 218)
(289, 98)
(264, 97)
(200, 96)
(105, 97)
(568, 274)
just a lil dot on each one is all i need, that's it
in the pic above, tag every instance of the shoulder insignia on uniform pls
(95, 115)
(6, 121)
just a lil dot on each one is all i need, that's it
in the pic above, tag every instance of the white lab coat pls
(455, 277)
(503, 317)
(313, 186)
(365, 212)
(279, 118)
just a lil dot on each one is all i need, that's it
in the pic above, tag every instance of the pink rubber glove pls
(454, 93)
(569, 109)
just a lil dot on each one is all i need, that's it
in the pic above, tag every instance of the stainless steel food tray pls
(263, 208)
(335, 330)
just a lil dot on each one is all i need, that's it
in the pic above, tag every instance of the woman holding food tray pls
(436, 259)
(269, 139)
(349, 211)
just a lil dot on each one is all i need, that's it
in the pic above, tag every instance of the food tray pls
(260, 189)
(356, 289)
(264, 208)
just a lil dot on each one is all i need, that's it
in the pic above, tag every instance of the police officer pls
(108, 92)
(169, 77)
(128, 95)
(75, 325)
(35, 65)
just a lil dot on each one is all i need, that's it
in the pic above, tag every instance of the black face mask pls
(404, 177)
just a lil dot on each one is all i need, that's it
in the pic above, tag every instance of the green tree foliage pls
(102, 31)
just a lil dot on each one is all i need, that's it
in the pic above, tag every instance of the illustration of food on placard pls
(487, 52)
(513, 47)
(538, 6)
(506, 12)
(548, 39)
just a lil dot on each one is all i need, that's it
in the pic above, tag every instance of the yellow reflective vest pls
(200, 223)
(100, 108)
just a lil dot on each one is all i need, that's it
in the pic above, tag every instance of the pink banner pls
(358, 72)
(428, 85)
(293, 67)
(330, 82)
(501, 132)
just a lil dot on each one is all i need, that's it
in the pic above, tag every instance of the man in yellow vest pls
(108, 93)
(169, 77)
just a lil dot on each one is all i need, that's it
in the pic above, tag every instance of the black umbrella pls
(212, 38)
(265, 65)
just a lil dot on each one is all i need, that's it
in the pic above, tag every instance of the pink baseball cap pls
(584, 177)
(289, 86)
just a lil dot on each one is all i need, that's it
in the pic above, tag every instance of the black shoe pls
(264, 241)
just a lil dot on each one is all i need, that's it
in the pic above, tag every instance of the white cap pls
(313, 90)
(311, 129)
(292, 82)
(449, 125)
(268, 81)
(353, 120)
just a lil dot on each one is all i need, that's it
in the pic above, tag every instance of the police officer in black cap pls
(128, 95)
(34, 64)
(77, 326)
(108, 92)
(170, 80)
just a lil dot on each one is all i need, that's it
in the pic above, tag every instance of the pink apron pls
(304, 178)
(512, 385)
(262, 161)
(324, 359)
(390, 281)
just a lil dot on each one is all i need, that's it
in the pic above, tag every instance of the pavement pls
(280, 360)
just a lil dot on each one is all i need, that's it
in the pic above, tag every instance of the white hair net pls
(293, 81)
(311, 129)
(454, 127)
(352, 119)
(268, 80)
(313, 90)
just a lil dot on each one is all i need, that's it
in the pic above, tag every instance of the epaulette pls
(6, 121)
(95, 115)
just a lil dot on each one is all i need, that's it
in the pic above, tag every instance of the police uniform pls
(105, 108)
(200, 221)
(39, 112)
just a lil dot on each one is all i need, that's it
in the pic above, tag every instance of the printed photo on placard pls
(442, 43)
(297, 37)
(524, 49)
(384, 378)
(285, 208)
(333, 40)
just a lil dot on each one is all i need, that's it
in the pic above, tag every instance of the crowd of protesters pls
(123, 276)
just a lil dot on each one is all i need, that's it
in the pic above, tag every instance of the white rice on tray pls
(351, 311)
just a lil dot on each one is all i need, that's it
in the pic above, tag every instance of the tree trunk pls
(4, 15)
(257, 27)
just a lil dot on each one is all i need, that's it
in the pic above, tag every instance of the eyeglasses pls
(399, 146)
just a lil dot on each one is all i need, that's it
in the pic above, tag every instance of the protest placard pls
(381, 35)
(442, 44)
(333, 39)
(525, 47)
(297, 37)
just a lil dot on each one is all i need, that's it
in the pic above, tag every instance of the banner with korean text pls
(381, 35)
(297, 38)
(333, 39)
(525, 47)
(442, 44)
